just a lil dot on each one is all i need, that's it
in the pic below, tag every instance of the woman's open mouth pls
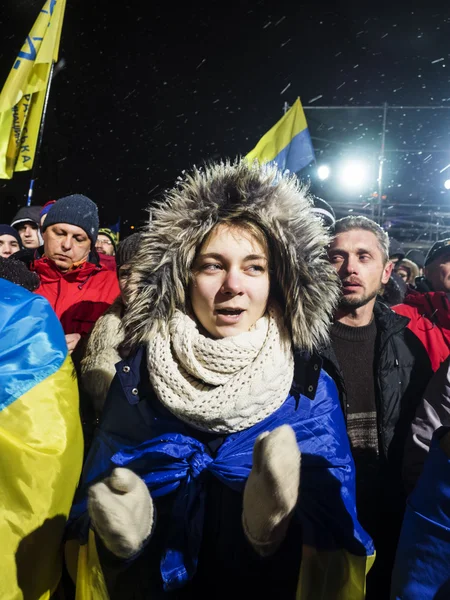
(229, 315)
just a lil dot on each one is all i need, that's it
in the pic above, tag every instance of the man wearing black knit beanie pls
(76, 284)
(381, 370)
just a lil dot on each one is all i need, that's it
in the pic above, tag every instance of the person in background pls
(428, 307)
(381, 370)
(106, 242)
(27, 223)
(44, 212)
(98, 365)
(407, 270)
(10, 241)
(418, 258)
(77, 286)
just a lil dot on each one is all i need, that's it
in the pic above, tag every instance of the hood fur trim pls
(278, 204)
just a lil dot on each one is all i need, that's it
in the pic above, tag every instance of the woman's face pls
(230, 287)
(403, 273)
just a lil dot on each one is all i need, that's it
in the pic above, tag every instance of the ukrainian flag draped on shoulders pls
(23, 95)
(288, 144)
(337, 552)
(41, 444)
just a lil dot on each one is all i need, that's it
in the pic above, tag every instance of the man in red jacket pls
(428, 307)
(72, 279)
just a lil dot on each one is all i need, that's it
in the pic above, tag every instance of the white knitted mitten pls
(271, 491)
(121, 510)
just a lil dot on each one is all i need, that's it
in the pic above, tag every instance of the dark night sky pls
(150, 89)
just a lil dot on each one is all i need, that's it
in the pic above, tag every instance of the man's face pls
(104, 245)
(358, 259)
(438, 273)
(28, 232)
(66, 245)
(8, 245)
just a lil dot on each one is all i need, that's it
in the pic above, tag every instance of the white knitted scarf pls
(222, 385)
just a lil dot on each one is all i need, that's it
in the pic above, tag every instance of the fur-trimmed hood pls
(278, 204)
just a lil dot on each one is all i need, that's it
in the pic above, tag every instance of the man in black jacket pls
(381, 370)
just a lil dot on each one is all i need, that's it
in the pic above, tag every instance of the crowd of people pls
(245, 396)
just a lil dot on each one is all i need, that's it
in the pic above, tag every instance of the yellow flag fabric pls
(41, 444)
(333, 575)
(22, 97)
(287, 144)
(90, 582)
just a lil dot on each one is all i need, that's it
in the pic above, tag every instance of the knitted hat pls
(437, 249)
(47, 206)
(8, 230)
(111, 235)
(75, 210)
(17, 272)
(127, 249)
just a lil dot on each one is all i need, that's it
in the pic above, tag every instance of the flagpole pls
(40, 136)
(381, 164)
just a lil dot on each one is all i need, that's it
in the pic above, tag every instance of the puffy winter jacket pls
(79, 297)
(429, 319)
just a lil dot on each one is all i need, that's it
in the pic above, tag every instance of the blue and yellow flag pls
(337, 552)
(41, 444)
(288, 144)
(23, 95)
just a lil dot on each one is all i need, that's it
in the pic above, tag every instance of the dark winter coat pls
(132, 415)
(402, 371)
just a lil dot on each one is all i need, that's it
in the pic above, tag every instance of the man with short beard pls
(381, 370)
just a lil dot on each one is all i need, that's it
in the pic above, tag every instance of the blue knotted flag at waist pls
(173, 462)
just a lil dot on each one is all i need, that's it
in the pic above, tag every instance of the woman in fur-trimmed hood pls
(219, 400)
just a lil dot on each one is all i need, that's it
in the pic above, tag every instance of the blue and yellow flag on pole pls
(41, 444)
(288, 143)
(22, 97)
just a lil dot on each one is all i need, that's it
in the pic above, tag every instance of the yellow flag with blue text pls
(23, 95)
(287, 144)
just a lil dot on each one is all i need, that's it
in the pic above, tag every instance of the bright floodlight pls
(354, 174)
(323, 172)
(447, 184)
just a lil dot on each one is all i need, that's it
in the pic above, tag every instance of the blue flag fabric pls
(172, 461)
(422, 566)
(287, 144)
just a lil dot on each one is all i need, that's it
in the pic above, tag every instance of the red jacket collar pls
(48, 271)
